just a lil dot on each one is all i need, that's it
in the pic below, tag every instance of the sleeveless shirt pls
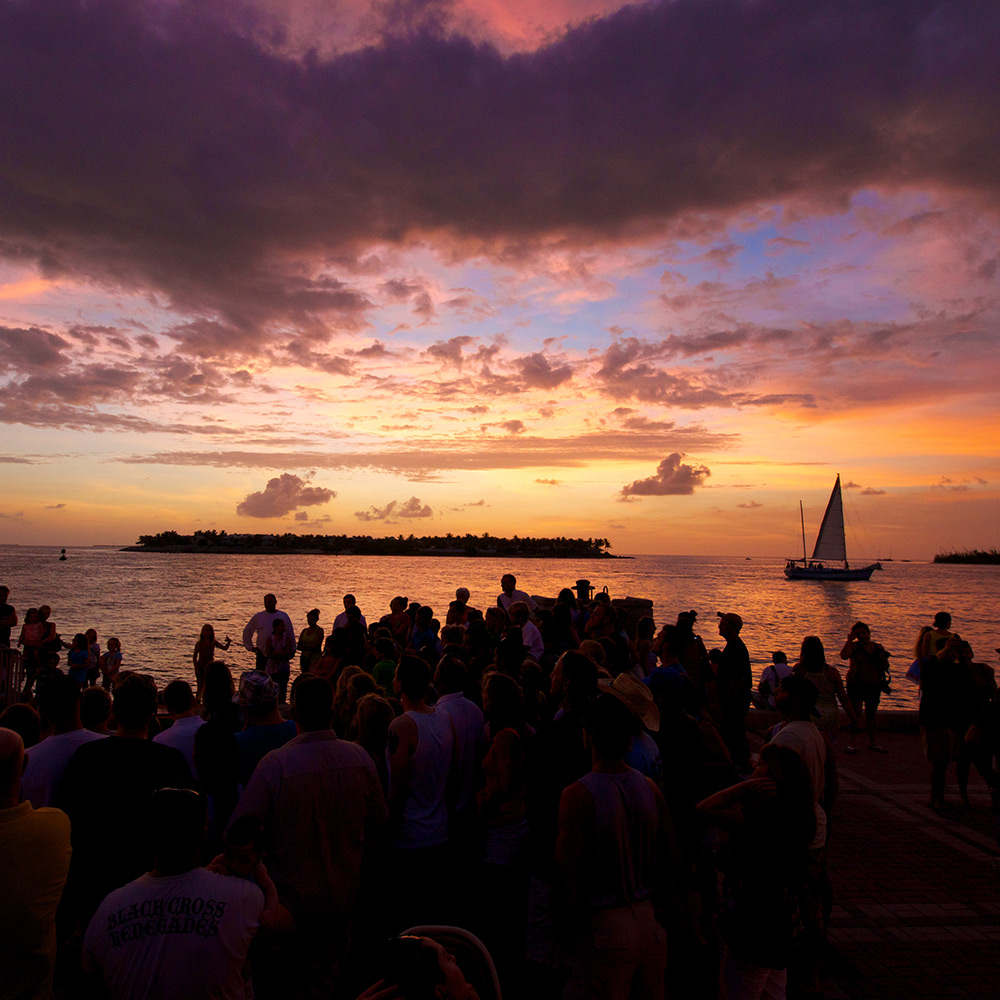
(627, 823)
(424, 822)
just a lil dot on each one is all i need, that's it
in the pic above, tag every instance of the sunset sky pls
(546, 267)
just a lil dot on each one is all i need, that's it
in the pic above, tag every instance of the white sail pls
(830, 544)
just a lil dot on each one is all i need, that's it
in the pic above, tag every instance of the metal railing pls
(11, 677)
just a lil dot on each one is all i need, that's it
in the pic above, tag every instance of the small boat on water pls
(831, 546)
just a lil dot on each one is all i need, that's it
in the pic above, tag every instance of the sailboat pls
(830, 547)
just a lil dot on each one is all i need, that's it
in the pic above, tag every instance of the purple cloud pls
(31, 348)
(672, 478)
(450, 351)
(219, 205)
(538, 373)
(281, 496)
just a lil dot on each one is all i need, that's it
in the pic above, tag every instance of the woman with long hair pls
(867, 677)
(827, 680)
(217, 703)
(370, 730)
(204, 654)
(351, 687)
(310, 644)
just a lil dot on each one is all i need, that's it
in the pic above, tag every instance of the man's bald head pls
(11, 766)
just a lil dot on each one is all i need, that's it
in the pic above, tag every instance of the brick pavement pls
(916, 895)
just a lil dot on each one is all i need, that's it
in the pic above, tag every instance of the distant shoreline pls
(973, 557)
(439, 553)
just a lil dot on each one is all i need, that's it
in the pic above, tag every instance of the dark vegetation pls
(980, 556)
(449, 544)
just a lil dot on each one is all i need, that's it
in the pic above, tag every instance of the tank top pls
(424, 822)
(627, 823)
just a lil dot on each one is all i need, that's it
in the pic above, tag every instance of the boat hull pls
(829, 573)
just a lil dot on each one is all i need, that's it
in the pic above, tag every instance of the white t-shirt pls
(341, 620)
(773, 674)
(807, 741)
(505, 600)
(261, 626)
(532, 639)
(467, 717)
(181, 736)
(46, 762)
(174, 938)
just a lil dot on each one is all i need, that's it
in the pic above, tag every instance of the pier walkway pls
(916, 895)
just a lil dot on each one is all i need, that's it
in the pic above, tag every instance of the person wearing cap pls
(179, 930)
(733, 683)
(266, 728)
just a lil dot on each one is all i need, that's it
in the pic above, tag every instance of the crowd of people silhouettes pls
(574, 788)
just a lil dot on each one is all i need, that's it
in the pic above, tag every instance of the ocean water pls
(156, 603)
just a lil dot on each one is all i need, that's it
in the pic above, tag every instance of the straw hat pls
(632, 693)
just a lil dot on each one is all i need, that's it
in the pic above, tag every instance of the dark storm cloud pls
(181, 156)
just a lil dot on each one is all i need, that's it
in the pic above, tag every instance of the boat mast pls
(802, 518)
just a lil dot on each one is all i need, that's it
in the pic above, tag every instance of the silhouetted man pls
(261, 625)
(179, 931)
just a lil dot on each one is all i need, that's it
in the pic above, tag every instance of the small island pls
(980, 557)
(367, 545)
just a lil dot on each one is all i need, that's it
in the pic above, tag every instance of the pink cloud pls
(281, 496)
